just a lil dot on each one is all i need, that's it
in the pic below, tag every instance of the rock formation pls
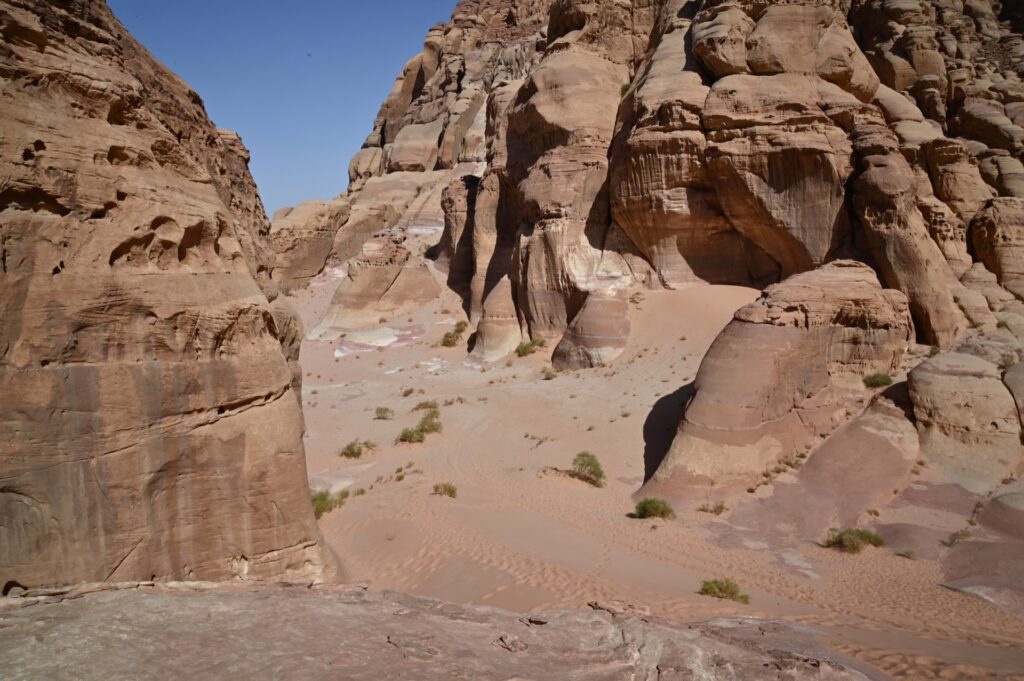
(785, 371)
(151, 426)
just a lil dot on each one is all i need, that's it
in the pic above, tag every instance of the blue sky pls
(301, 81)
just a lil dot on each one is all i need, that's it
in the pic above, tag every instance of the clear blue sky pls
(301, 81)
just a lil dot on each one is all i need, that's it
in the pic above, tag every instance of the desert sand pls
(522, 536)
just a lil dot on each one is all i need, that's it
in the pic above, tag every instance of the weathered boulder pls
(783, 372)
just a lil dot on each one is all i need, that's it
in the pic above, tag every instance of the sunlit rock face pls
(150, 425)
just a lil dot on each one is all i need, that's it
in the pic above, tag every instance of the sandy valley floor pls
(521, 536)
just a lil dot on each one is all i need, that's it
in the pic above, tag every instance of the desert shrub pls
(723, 588)
(353, 450)
(957, 537)
(877, 380)
(934, 351)
(852, 539)
(454, 337)
(451, 339)
(587, 468)
(407, 392)
(623, 90)
(411, 436)
(384, 414)
(654, 508)
(549, 374)
(529, 347)
(431, 422)
(446, 489)
(324, 502)
(359, 492)
(717, 508)
(429, 404)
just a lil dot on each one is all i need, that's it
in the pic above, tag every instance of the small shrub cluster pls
(429, 423)
(877, 380)
(654, 508)
(852, 539)
(384, 414)
(325, 502)
(454, 337)
(724, 588)
(587, 468)
(529, 347)
(717, 508)
(446, 489)
(356, 448)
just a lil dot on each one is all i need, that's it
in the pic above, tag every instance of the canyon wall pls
(150, 425)
(579, 149)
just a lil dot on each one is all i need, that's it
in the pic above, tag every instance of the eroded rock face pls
(150, 426)
(783, 372)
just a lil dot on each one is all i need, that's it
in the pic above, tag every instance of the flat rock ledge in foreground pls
(140, 631)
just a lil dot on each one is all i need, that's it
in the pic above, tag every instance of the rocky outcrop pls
(150, 425)
(997, 234)
(358, 631)
(961, 405)
(783, 373)
(384, 281)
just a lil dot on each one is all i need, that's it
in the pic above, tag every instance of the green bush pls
(623, 90)
(723, 588)
(529, 347)
(877, 380)
(384, 414)
(454, 337)
(324, 502)
(655, 508)
(411, 436)
(353, 450)
(587, 468)
(446, 489)
(852, 539)
(430, 423)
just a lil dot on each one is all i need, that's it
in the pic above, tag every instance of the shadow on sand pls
(661, 426)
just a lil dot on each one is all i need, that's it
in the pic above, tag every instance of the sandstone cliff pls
(150, 425)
